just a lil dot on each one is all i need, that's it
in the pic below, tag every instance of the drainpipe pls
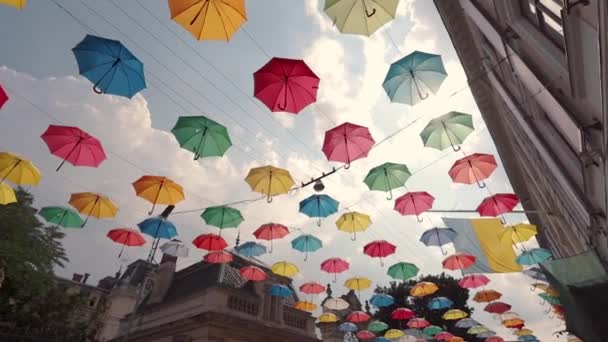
(602, 14)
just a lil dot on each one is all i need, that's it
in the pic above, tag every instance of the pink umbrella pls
(473, 281)
(253, 273)
(286, 85)
(335, 266)
(365, 335)
(494, 339)
(3, 97)
(271, 231)
(418, 323)
(497, 204)
(473, 168)
(347, 142)
(459, 261)
(414, 203)
(73, 145)
(218, 257)
(443, 336)
(312, 288)
(379, 249)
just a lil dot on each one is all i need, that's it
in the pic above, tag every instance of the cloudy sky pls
(186, 77)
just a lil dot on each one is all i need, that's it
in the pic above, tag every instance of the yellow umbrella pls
(269, 180)
(518, 233)
(454, 314)
(423, 288)
(93, 204)
(158, 190)
(328, 317)
(19, 4)
(523, 332)
(358, 283)
(305, 306)
(209, 19)
(285, 269)
(353, 222)
(18, 170)
(7, 194)
(393, 334)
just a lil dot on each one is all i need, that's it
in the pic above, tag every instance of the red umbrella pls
(473, 168)
(379, 249)
(335, 266)
(3, 97)
(443, 336)
(414, 203)
(126, 237)
(497, 307)
(73, 145)
(473, 281)
(271, 231)
(210, 242)
(252, 273)
(312, 288)
(459, 261)
(218, 257)
(365, 335)
(286, 85)
(494, 339)
(497, 204)
(358, 317)
(418, 323)
(402, 314)
(347, 142)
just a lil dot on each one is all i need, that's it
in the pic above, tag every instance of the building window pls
(546, 15)
(92, 301)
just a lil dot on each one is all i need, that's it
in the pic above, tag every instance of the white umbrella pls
(175, 248)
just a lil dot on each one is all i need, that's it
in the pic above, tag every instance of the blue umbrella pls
(466, 323)
(251, 249)
(109, 66)
(438, 237)
(158, 228)
(280, 291)
(306, 243)
(533, 256)
(347, 327)
(382, 339)
(486, 334)
(318, 206)
(527, 338)
(410, 79)
(440, 303)
(381, 300)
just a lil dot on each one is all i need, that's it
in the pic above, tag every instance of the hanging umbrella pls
(440, 303)
(158, 190)
(402, 271)
(306, 243)
(328, 317)
(497, 204)
(459, 261)
(202, 136)
(377, 326)
(222, 217)
(443, 336)
(251, 249)
(358, 317)
(18, 4)
(74, 146)
(381, 300)
(417, 333)
(387, 177)
(497, 307)
(410, 79)
(494, 339)
(218, 257)
(533, 256)
(432, 330)
(379, 249)
(414, 203)
(438, 237)
(335, 266)
(546, 288)
(454, 314)
(553, 300)
(527, 338)
(362, 17)
(285, 85)
(210, 242)
(573, 338)
(477, 329)
(270, 232)
(312, 288)
(423, 288)
(305, 306)
(487, 296)
(402, 314)
(523, 332)
(473, 168)
(518, 233)
(158, 228)
(486, 334)
(3, 95)
(126, 237)
(280, 291)
(509, 315)
(382, 339)
(109, 66)
(365, 335)
(319, 206)
(337, 304)
(473, 281)
(457, 339)
(92, 204)
(358, 284)
(393, 334)
(418, 323)
(209, 19)
(347, 143)
(514, 323)
(175, 248)
(18, 170)
(450, 129)
(465, 323)
(535, 273)
(347, 327)
(252, 273)
(269, 181)
(353, 222)
(61, 216)
(7, 194)
(285, 269)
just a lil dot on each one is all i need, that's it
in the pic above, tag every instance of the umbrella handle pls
(346, 166)
(502, 220)
(196, 156)
(319, 222)
(390, 196)
(456, 148)
(480, 185)
(419, 219)
(97, 90)
(269, 199)
(281, 107)
(369, 15)
(353, 238)
(444, 252)
(381, 263)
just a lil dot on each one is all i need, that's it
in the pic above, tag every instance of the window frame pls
(537, 18)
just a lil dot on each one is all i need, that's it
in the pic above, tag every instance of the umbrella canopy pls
(18, 4)
(222, 217)
(270, 232)
(402, 314)
(487, 296)
(210, 242)
(158, 190)
(218, 257)
(410, 79)
(454, 314)
(328, 317)
(379, 249)
(61, 216)
(423, 288)
(175, 248)
(336, 304)
(74, 146)
(494, 339)
(533, 256)
(3, 95)
(285, 269)
(252, 273)
(432, 330)
(353, 222)
(18, 170)
(523, 332)
(335, 266)
(382, 339)
(306, 243)
(93, 204)
(497, 307)
(285, 85)
(158, 228)
(347, 143)
(486, 334)
(457, 339)
(387, 177)
(450, 129)
(438, 237)
(347, 327)
(465, 323)
(573, 338)
(110, 66)
(381, 300)
(209, 19)
(498, 204)
(527, 338)
(514, 323)
(509, 315)
(312, 288)
(535, 273)
(473, 281)
(473, 169)
(417, 333)
(305, 306)
(518, 233)
(270, 181)
(7, 194)
(362, 17)
(440, 303)
(458, 261)
(202, 136)
(126, 237)
(418, 323)
(477, 329)
(443, 336)
(393, 333)
(402, 271)
(280, 291)
(358, 284)
(377, 326)
(358, 317)
(414, 203)
(554, 300)
(365, 335)
(251, 249)
(318, 206)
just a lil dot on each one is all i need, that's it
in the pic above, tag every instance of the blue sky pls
(186, 77)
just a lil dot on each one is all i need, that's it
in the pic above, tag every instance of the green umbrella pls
(550, 299)
(362, 17)
(432, 330)
(447, 130)
(222, 217)
(377, 326)
(387, 177)
(203, 136)
(403, 271)
(61, 216)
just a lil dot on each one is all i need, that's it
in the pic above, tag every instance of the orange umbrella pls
(93, 204)
(473, 168)
(487, 296)
(158, 190)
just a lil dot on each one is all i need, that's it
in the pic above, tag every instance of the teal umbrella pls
(410, 79)
(403, 271)
(447, 130)
(306, 243)
(432, 330)
(533, 256)
(203, 136)
(319, 206)
(377, 326)
(222, 217)
(61, 216)
(550, 299)
(387, 177)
